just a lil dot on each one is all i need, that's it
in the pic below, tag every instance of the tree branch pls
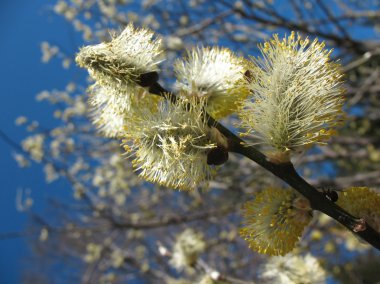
(287, 173)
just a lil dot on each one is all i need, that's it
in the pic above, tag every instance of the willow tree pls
(180, 163)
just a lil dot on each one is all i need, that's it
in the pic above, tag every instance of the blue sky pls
(23, 26)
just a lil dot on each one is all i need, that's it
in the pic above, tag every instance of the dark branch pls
(287, 173)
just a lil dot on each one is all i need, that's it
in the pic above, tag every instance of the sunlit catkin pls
(215, 74)
(296, 96)
(171, 144)
(274, 220)
(118, 67)
(120, 62)
(112, 111)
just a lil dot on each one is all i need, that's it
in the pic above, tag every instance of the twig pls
(287, 173)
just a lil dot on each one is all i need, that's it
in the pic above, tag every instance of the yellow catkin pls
(120, 62)
(214, 74)
(362, 202)
(171, 145)
(273, 221)
(296, 95)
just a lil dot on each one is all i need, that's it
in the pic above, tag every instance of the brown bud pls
(217, 156)
(148, 79)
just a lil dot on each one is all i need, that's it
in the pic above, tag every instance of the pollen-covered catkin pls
(171, 145)
(296, 96)
(274, 220)
(120, 62)
(215, 74)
